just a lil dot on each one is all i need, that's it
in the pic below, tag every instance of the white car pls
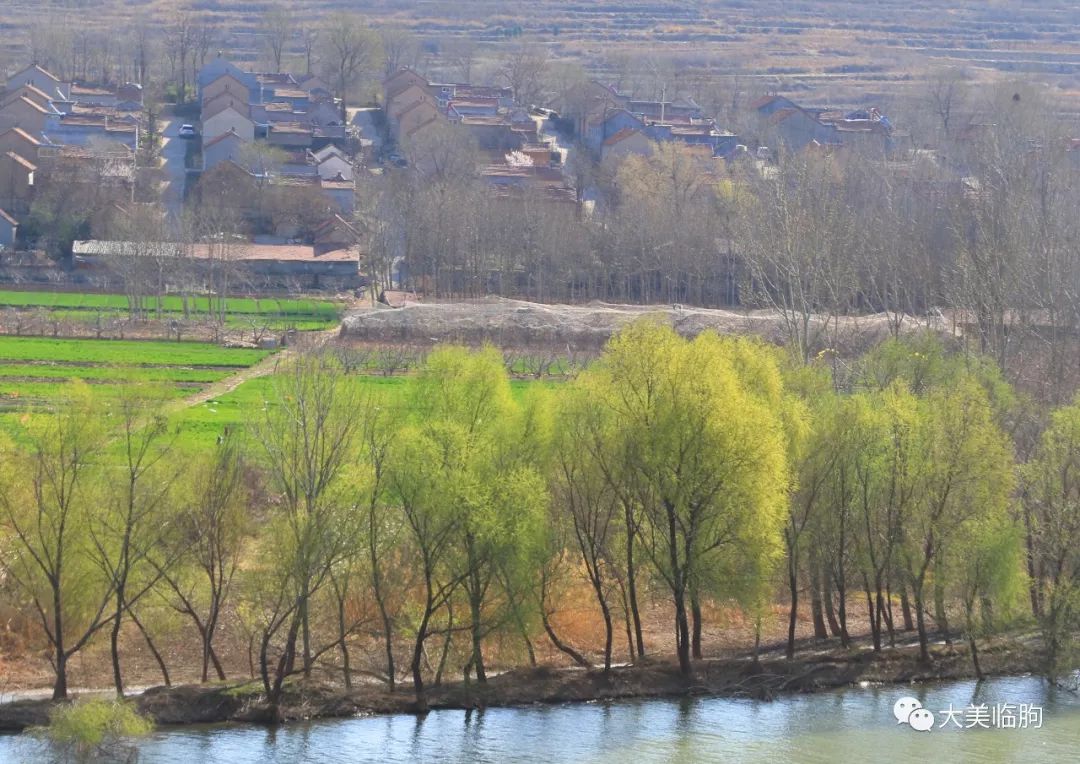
(186, 131)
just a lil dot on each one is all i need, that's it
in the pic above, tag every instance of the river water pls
(850, 725)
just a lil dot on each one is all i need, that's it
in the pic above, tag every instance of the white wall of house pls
(334, 165)
(226, 120)
(224, 150)
(7, 233)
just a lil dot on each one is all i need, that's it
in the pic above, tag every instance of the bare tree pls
(277, 24)
(460, 54)
(522, 68)
(400, 49)
(352, 51)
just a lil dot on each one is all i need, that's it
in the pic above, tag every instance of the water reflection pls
(849, 725)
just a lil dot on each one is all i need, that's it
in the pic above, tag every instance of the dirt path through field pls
(309, 341)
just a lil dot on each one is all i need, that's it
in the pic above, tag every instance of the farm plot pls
(200, 425)
(35, 371)
(272, 313)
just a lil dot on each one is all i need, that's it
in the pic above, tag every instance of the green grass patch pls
(234, 321)
(126, 352)
(104, 373)
(286, 307)
(22, 394)
(200, 425)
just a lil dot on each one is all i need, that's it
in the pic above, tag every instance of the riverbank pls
(814, 668)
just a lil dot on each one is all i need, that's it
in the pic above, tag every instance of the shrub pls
(96, 727)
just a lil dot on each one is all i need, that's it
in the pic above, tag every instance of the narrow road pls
(173, 149)
(310, 341)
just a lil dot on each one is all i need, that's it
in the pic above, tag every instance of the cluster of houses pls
(297, 118)
(63, 130)
(514, 153)
(611, 123)
(259, 134)
(796, 127)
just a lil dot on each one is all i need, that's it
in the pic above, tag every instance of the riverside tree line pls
(417, 530)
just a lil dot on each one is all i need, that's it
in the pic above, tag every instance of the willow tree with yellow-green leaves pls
(961, 480)
(49, 491)
(468, 476)
(1051, 496)
(701, 448)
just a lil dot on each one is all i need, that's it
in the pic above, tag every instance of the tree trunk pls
(217, 663)
(417, 660)
(445, 652)
(682, 634)
(114, 647)
(939, 609)
(575, 656)
(830, 610)
(476, 625)
(905, 609)
(816, 611)
(306, 627)
(629, 626)
(793, 611)
(598, 588)
(841, 612)
(342, 644)
(695, 612)
(284, 668)
(1035, 587)
(388, 631)
(153, 649)
(920, 623)
(631, 584)
(875, 627)
(60, 685)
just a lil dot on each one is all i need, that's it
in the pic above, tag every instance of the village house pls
(225, 84)
(228, 119)
(416, 117)
(92, 96)
(225, 100)
(298, 163)
(626, 142)
(332, 164)
(411, 103)
(9, 230)
(19, 141)
(259, 264)
(29, 92)
(335, 233)
(43, 80)
(405, 99)
(290, 135)
(225, 147)
(340, 192)
(794, 128)
(400, 80)
(80, 130)
(16, 182)
(219, 67)
(26, 114)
